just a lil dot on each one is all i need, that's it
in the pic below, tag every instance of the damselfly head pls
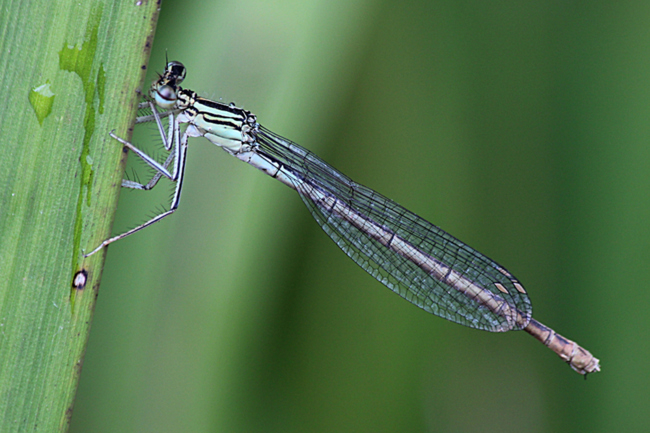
(164, 91)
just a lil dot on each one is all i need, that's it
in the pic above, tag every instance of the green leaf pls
(71, 71)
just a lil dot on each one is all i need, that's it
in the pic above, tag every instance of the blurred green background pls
(522, 128)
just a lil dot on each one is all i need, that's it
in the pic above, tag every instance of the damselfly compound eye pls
(164, 96)
(175, 71)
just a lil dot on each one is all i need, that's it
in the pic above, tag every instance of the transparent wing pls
(362, 223)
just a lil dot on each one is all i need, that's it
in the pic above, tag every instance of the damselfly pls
(408, 254)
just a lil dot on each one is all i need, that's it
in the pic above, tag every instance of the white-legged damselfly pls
(408, 254)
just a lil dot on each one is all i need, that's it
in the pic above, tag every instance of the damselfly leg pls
(173, 142)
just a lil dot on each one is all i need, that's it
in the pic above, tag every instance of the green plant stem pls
(70, 70)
